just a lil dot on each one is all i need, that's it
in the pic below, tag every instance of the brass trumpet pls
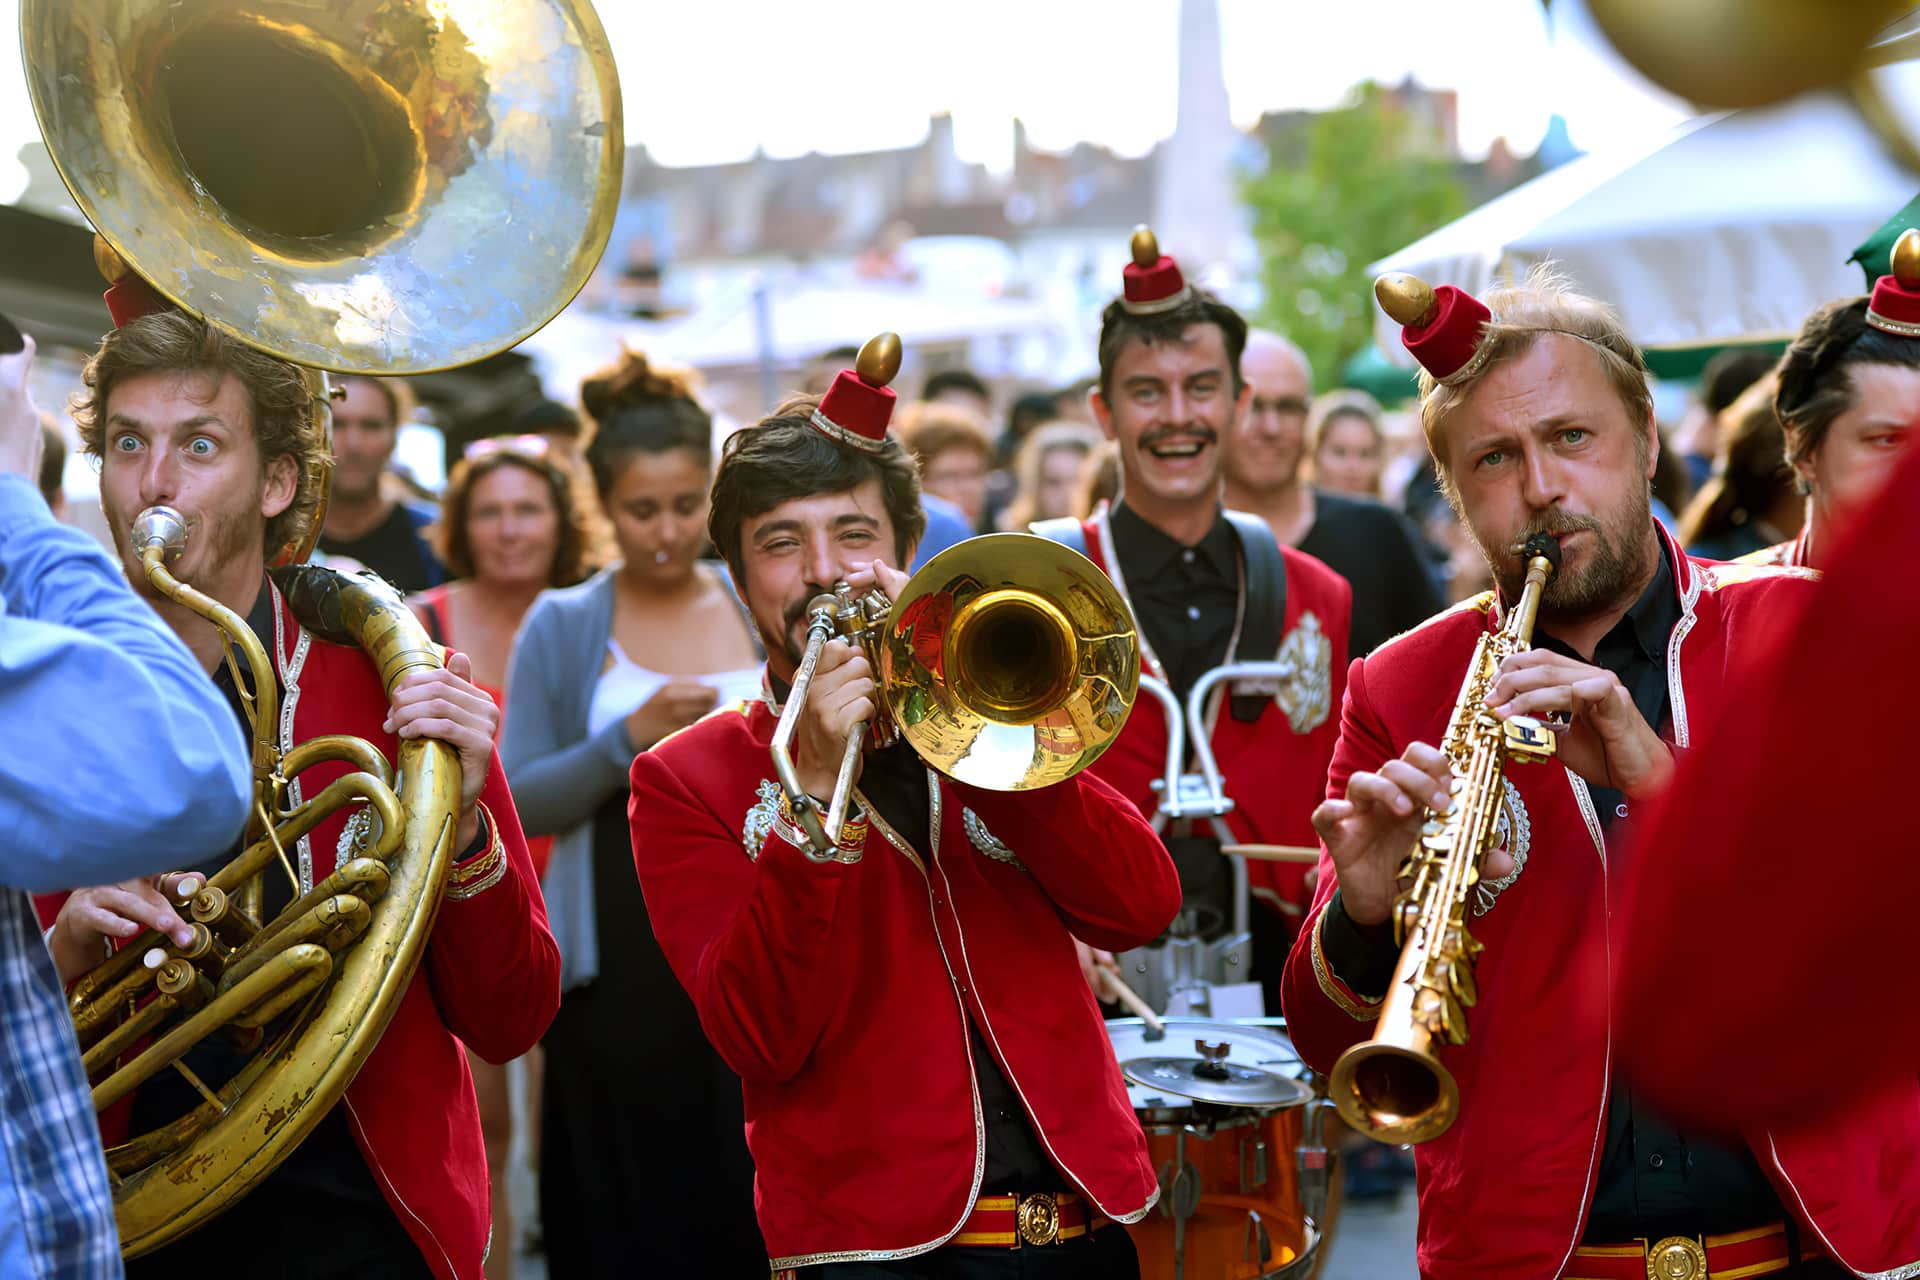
(1393, 1087)
(1009, 662)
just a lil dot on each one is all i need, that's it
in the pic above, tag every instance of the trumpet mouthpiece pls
(161, 527)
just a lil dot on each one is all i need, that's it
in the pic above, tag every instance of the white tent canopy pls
(1731, 227)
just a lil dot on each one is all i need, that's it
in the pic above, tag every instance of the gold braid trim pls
(853, 831)
(1351, 1003)
(471, 879)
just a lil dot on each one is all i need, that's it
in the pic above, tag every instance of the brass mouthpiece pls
(161, 527)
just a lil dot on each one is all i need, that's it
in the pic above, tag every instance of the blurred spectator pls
(1047, 474)
(1696, 439)
(512, 524)
(600, 672)
(961, 388)
(1366, 543)
(558, 423)
(1349, 448)
(820, 373)
(1672, 489)
(365, 524)
(1030, 411)
(1099, 479)
(1749, 502)
(1070, 402)
(53, 465)
(950, 445)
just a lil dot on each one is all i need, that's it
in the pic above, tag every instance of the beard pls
(215, 540)
(1611, 571)
(791, 642)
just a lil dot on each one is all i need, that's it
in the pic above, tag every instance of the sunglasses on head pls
(528, 446)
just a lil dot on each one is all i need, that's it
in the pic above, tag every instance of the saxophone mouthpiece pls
(1544, 545)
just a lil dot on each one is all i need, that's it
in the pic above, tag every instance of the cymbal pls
(1226, 1084)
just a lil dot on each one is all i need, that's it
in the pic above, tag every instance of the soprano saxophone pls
(1393, 1087)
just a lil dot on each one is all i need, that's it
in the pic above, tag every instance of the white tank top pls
(625, 686)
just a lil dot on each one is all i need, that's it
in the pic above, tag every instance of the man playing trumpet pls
(927, 1081)
(179, 414)
(1537, 410)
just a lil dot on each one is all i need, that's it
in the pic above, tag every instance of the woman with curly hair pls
(1849, 396)
(644, 1167)
(511, 525)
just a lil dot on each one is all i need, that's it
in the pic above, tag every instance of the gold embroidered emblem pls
(1512, 831)
(986, 842)
(753, 833)
(1306, 691)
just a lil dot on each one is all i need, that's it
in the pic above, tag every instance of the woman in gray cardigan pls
(642, 1126)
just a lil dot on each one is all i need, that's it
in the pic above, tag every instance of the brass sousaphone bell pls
(367, 186)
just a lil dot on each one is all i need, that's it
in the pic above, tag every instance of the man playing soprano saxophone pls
(1537, 411)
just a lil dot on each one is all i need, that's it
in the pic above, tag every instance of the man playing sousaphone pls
(927, 1082)
(1537, 410)
(393, 1181)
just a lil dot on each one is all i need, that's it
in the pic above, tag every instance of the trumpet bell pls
(362, 186)
(1009, 662)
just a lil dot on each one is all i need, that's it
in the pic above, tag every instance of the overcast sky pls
(711, 81)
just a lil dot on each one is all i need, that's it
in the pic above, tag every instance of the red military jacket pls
(1829, 719)
(839, 991)
(1273, 768)
(490, 979)
(1505, 1191)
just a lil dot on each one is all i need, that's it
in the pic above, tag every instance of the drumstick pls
(1273, 852)
(1118, 988)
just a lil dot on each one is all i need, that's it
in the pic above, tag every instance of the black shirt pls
(1185, 599)
(894, 781)
(394, 549)
(1654, 1178)
(1375, 550)
(324, 1180)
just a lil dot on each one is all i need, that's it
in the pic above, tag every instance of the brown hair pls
(282, 403)
(1815, 385)
(1346, 403)
(1119, 326)
(1099, 478)
(1542, 303)
(581, 538)
(782, 457)
(1028, 464)
(1750, 472)
(637, 408)
(926, 429)
(53, 459)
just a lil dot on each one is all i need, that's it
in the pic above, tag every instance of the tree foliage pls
(1352, 186)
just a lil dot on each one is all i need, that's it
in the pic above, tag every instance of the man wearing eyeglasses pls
(364, 524)
(1369, 545)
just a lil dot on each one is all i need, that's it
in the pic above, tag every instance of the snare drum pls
(1231, 1205)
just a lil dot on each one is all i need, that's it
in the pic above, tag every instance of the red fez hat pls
(128, 296)
(1152, 281)
(1895, 305)
(857, 407)
(1441, 328)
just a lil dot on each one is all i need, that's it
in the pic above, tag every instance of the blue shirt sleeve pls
(118, 755)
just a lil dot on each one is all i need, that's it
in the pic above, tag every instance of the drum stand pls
(1177, 975)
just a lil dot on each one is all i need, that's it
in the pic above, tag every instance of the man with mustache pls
(1537, 410)
(177, 413)
(1209, 587)
(929, 1090)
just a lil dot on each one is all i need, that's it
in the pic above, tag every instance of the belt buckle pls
(1039, 1218)
(1677, 1258)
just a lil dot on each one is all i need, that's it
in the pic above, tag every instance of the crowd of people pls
(884, 1057)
